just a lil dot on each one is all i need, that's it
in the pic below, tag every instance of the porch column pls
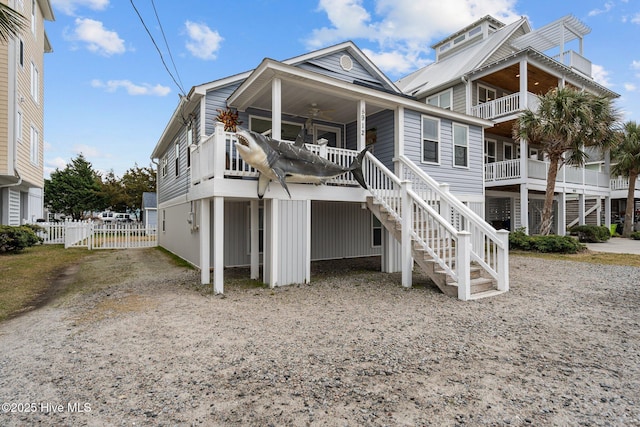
(407, 224)
(218, 245)
(276, 108)
(270, 252)
(205, 241)
(562, 214)
(362, 125)
(524, 207)
(607, 211)
(599, 212)
(524, 89)
(581, 216)
(254, 212)
(398, 149)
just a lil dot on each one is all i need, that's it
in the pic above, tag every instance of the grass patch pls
(27, 275)
(586, 256)
(177, 261)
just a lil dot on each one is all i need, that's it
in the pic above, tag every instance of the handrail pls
(419, 215)
(488, 247)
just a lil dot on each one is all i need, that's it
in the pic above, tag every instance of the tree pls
(626, 158)
(566, 121)
(113, 193)
(136, 181)
(74, 190)
(11, 22)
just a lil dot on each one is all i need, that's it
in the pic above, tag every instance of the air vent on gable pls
(346, 62)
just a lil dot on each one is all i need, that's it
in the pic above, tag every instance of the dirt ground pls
(133, 341)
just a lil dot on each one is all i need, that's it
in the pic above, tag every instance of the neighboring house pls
(424, 161)
(149, 210)
(495, 71)
(22, 116)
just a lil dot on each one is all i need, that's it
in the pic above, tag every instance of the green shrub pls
(635, 235)
(591, 233)
(15, 239)
(548, 244)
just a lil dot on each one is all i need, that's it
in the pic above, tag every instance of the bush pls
(591, 233)
(15, 239)
(548, 244)
(635, 235)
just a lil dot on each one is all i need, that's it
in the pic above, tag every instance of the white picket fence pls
(96, 235)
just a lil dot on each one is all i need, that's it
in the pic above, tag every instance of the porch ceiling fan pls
(315, 112)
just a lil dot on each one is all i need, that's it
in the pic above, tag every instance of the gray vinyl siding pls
(329, 65)
(459, 98)
(340, 230)
(461, 180)
(236, 230)
(217, 99)
(383, 149)
(170, 185)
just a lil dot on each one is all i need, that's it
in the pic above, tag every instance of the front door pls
(332, 134)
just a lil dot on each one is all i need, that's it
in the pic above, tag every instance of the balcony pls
(575, 61)
(499, 172)
(621, 183)
(217, 157)
(505, 106)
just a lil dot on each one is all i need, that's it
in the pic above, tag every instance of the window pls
(35, 82)
(489, 151)
(442, 99)
(164, 217)
(289, 131)
(430, 140)
(33, 17)
(485, 94)
(189, 143)
(376, 232)
(507, 151)
(18, 125)
(460, 145)
(177, 146)
(33, 149)
(475, 31)
(445, 47)
(163, 166)
(21, 53)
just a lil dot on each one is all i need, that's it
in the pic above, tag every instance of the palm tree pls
(11, 23)
(626, 156)
(565, 123)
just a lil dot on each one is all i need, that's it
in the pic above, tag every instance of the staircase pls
(462, 254)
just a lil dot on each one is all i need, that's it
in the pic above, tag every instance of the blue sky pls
(109, 97)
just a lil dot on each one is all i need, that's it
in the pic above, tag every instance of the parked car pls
(115, 217)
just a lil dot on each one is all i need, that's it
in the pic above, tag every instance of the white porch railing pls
(622, 183)
(217, 157)
(505, 105)
(576, 61)
(489, 247)
(511, 169)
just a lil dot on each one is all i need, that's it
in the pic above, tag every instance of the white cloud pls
(132, 88)
(630, 87)
(88, 151)
(204, 42)
(55, 163)
(635, 65)
(600, 75)
(395, 62)
(403, 29)
(607, 7)
(97, 38)
(68, 7)
(636, 18)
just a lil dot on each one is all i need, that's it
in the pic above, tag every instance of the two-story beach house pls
(424, 201)
(494, 71)
(22, 116)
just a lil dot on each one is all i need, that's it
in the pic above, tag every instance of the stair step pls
(486, 294)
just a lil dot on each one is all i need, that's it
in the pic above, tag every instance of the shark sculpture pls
(288, 162)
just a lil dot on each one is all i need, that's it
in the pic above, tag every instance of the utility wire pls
(166, 43)
(158, 49)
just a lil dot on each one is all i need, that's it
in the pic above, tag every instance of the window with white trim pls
(489, 151)
(430, 140)
(460, 145)
(33, 17)
(289, 131)
(376, 232)
(35, 82)
(21, 53)
(33, 148)
(18, 125)
(189, 143)
(177, 147)
(442, 99)
(485, 94)
(163, 166)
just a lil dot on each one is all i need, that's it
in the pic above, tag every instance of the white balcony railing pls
(622, 183)
(576, 61)
(217, 157)
(511, 169)
(505, 106)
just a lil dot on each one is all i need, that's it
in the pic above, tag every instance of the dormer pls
(471, 34)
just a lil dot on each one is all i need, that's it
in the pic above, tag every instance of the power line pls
(158, 49)
(166, 43)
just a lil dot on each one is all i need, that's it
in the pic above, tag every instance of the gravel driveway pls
(141, 345)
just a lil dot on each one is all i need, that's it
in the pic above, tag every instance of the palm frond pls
(12, 22)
